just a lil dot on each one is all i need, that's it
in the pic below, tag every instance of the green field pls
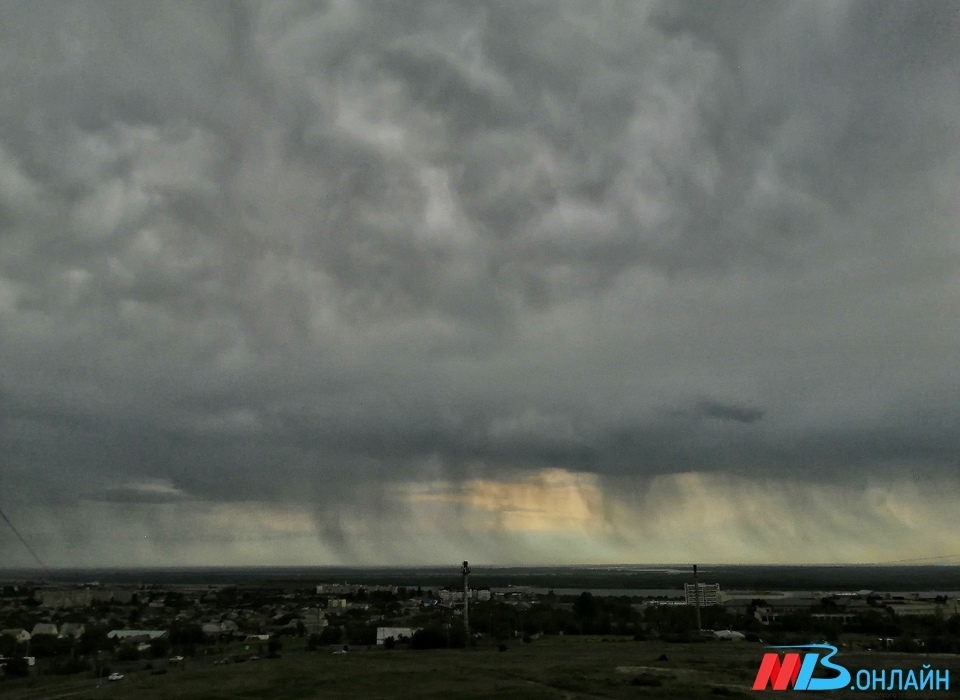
(559, 667)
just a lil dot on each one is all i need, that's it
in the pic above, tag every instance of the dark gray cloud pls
(721, 411)
(312, 253)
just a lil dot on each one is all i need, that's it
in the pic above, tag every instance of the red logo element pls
(780, 674)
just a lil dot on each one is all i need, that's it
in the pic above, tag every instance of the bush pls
(128, 653)
(646, 680)
(428, 638)
(159, 648)
(331, 635)
(66, 666)
(45, 646)
(16, 667)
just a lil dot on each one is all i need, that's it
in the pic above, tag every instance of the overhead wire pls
(24, 542)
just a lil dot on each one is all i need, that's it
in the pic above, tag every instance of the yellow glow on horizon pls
(548, 500)
(260, 517)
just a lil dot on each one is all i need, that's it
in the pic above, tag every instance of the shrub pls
(646, 680)
(16, 667)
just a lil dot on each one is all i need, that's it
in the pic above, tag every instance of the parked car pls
(115, 677)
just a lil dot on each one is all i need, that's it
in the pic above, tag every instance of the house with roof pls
(136, 635)
(45, 628)
(224, 627)
(395, 633)
(729, 635)
(72, 629)
(18, 633)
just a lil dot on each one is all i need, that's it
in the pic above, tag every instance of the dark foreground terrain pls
(558, 667)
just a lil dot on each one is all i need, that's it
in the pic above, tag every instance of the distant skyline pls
(321, 283)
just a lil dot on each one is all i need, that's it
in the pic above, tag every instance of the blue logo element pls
(805, 679)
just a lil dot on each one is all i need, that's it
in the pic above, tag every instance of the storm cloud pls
(325, 282)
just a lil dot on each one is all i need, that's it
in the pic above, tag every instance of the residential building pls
(136, 635)
(72, 629)
(18, 633)
(384, 633)
(709, 593)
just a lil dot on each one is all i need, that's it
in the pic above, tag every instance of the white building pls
(72, 629)
(18, 633)
(709, 593)
(215, 628)
(448, 597)
(136, 634)
(384, 633)
(729, 635)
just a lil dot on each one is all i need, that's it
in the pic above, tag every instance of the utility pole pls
(465, 570)
(696, 593)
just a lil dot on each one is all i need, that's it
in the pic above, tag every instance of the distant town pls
(104, 631)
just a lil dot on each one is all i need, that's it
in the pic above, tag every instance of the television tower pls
(465, 571)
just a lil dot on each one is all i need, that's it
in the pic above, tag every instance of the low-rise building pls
(72, 629)
(709, 593)
(18, 633)
(396, 633)
(65, 598)
(729, 635)
(216, 628)
(136, 635)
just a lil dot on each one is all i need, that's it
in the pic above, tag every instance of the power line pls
(24, 542)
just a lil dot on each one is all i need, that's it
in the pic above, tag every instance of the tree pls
(16, 667)
(159, 648)
(127, 652)
(8, 645)
(585, 606)
(331, 635)
(428, 638)
(186, 634)
(94, 639)
(46, 646)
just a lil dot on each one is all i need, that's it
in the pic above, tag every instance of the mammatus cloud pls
(411, 282)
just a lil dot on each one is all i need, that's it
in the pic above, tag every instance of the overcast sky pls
(513, 282)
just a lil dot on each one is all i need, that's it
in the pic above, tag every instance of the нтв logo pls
(791, 670)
